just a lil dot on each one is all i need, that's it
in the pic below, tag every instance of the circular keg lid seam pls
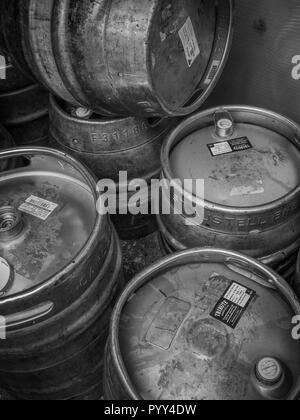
(89, 178)
(225, 12)
(190, 125)
(178, 259)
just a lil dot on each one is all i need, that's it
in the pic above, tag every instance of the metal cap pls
(81, 112)
(224, 124)
(269, 371)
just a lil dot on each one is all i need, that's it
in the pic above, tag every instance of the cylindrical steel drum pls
(6, 142)
(60, 265)
(264, 64)
(204, 324)
(10, 77)
(21, 106)
(249, 161)
(110, 146)
(152, 57)
(31, 133)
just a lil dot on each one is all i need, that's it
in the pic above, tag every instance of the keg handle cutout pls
(156, 122)
(249, 273)
(43, 151)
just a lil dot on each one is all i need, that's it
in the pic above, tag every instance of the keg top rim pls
(90, 181)
(189, 257)
(262, 117)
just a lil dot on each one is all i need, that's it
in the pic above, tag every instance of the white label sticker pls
(189, 42)
(212, 72)
(238, 295)
(221, 148)
(38, 207)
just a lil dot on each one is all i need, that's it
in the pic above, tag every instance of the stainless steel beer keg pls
(249, 161)
(122, 57)
(204, 324)
(60, 272)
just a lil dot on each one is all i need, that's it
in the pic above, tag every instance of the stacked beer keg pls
(119, 74)
(212, 320)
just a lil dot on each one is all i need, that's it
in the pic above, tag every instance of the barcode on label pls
(38, 207)
(189, 42)
(212, 72)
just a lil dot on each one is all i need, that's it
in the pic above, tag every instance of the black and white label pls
(212, 72)
(230, 146)
(189, 42)
(232, 306)
(38, 207)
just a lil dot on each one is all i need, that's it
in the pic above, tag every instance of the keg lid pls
(194, 328)
(47, 214)
(252, 166)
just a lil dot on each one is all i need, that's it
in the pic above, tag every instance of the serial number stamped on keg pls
(119, 135)
(144, 409)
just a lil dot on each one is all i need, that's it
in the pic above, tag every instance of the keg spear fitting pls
(224, 124)
(11, 223)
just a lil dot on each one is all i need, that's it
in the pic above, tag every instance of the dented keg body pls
(263, 68)
(204, 324)
(60, 273)
(112, 147)
(249, 160)
(154, 58)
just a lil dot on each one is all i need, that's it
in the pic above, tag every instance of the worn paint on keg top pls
(249, 160)
(198, 325)
(64, 263)
(174, 349)
(57, 215)
(263, 169)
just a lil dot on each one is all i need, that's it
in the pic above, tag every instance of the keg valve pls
(224, 124)
(272, 378)
(12, 223)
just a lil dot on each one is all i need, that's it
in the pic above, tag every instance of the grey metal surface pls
(264, 64)
(164, 343)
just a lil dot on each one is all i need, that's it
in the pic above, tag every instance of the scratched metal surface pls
(264, 64)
